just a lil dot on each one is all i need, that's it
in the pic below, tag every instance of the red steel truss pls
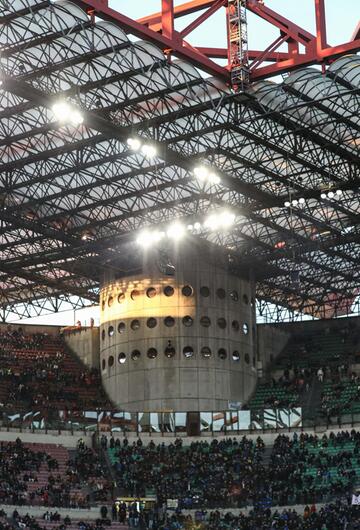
(159, 29)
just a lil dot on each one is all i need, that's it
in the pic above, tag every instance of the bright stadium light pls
(301, 200)
(227, 219)
(197, 226)
(61, 111)
(134, 143)
(339, 193)
(65, 113)
(287, 204)
(214, 179)
(175, 232)
(201, 173)
(323, 196)
(147, 238)
(148, 150)
(76, 118)
(331, 194)
(294, 202)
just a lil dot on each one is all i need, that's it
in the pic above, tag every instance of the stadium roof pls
(73, 195)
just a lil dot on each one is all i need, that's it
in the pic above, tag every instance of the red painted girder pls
(356, 34)
(222, 53)
(204, 16)
(305, 60)
(285, 25)
(174, 45)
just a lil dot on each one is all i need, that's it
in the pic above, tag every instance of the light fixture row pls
(325, 195)
(147, 150)
(66, 113)
(204, 174)
(177, 231)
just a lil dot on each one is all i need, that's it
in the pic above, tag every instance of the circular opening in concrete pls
(103, 305)
(205, 291)
(152, 353)
(187, 290)
(187, 321)
(234, 296)
(151, 292)
(111, 361)
(222, 353)
(103, 334)
(103, 364)
(221, 322)
(205, 322)
(221, 293)
(245, 328)
(245, 299)
(188, 352)
(121, 327)
(235, 325)
(122, 358)
(135, 355)
(121, 298)
(151, 322)
(169, 350)
(110, 301)
(169, 322)
(111, 331)
(168, 290)
(135, 324)
(236, 356)
(135, 294)
(206, 352)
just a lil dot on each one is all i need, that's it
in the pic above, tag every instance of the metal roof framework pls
(73, 196)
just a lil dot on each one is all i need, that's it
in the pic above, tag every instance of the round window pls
(234, 296)
(111, 361)
(151, 292)
(122, 358)
(235, 325)
(110, 301)
(187, 290)
(135, 355)
(187, 321)
(236, 356)
(206, 352)
(121, 298)
(135, 294)
(151, 322)
(111, 331)
(188, 352)
(135, 324)
(247, 358)
(103, 334)
(221, 293)
(205, 322)
(152, 353)
(121, 327)
(245, 299)
(103, 364)
(168, 290)
(204, 291)
(103, 305)
(222, 353)
(169, 350)
(221, 322)
(169, 322)
(245, 328)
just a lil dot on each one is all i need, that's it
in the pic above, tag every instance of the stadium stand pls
(38, 370)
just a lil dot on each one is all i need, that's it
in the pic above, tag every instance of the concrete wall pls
(203, 381)
(85, 343)
(31, 328)
(271, 340)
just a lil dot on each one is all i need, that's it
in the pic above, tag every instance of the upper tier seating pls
(38, 371)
